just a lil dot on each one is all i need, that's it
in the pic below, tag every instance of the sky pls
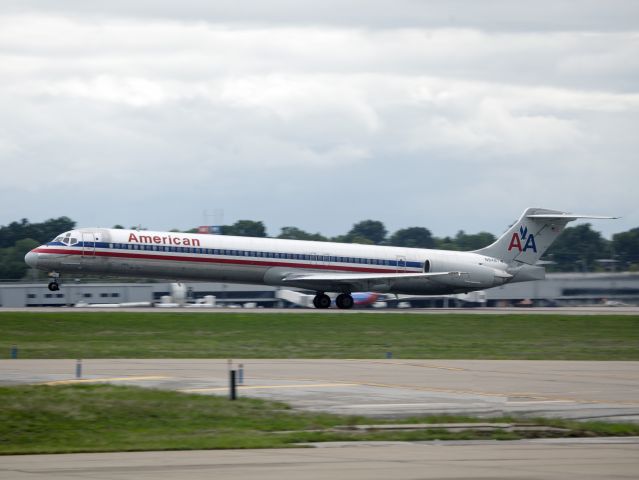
(444, 114)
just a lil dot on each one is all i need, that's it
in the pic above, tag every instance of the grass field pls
(308, 335)
(99, 418)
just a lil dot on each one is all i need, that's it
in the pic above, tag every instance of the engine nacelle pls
(472, 275)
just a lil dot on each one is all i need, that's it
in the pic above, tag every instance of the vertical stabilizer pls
(528, 238)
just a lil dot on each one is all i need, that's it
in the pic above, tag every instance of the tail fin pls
(528, 238)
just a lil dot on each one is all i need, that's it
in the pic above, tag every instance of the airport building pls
(557, 289)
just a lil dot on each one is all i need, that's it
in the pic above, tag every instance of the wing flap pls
(359, 282)
(362, 276)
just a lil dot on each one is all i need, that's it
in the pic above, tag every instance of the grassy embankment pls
(92, 418)
(308, 335)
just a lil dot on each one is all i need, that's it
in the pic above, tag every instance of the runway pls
(568, 459)
(585, 310)
(377, 388)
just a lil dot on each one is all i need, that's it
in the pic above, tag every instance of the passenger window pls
(66, 241)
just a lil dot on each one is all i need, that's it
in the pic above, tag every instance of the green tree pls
(625, 246)
(40, 232)
(468, 242)
(366, 231)
(446, 243)
(414, 237)
(577, 249)
(294, 233)
(245, 228)
(12, 266)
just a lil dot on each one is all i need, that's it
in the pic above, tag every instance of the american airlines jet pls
(319, 266)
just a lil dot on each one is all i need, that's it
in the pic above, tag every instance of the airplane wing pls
(363, 282)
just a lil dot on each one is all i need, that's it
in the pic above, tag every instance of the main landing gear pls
(343, 301)
(322, 300)
(54, 286)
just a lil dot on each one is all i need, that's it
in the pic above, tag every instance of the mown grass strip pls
(101, 418)
(308, 335)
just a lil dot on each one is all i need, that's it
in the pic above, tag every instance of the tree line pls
(578, 249)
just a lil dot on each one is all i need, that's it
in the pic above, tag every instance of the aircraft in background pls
(318, 266)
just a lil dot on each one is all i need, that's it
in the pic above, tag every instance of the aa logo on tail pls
(522, 237)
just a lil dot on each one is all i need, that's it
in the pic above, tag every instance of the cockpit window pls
(67, 238)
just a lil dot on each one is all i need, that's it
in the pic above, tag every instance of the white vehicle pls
(318, 266)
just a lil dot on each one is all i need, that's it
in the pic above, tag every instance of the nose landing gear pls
(54, 286)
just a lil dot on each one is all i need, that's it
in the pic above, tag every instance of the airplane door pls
(88, 245)
(401, 263)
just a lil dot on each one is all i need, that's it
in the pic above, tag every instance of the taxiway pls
(378, 388)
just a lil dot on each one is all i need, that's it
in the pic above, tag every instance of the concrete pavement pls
(382, 388)
(568, 459)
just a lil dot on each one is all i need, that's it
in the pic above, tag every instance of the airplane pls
(318, 266)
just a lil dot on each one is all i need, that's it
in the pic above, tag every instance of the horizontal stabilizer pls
(568, 216)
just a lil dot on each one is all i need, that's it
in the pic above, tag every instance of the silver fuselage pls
(220, 258)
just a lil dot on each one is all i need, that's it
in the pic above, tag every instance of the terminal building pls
(557, 289)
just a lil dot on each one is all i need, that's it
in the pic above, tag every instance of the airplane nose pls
(31, 259)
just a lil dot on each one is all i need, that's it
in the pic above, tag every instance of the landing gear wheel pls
(54, 286)
(344, 301)
(322, 300)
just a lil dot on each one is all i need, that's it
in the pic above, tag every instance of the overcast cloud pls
(449, 115)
